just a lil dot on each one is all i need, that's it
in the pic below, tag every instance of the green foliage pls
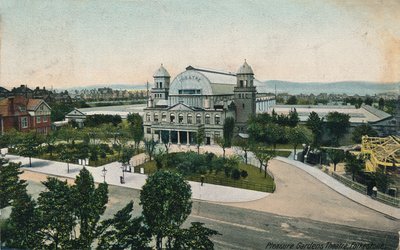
(354, 165)
(136, 128)
(195, 237)
(166, 203)
(96, 120)
(337, 124)
(360, 131)
(55, 224)
(293, 118)
(59, 110)
(89, 204)
(236, 174)
(244, 173)
(381, 103)
(200, 135)
(315, 124)
(382, 180)
(127, 153)
(228, 128)
(150, 146)
(263, 155)
(264, 128)
(21, 230)
(336, 156)
(29, 147)
(298, 135)
(244, 144)
(292, 100)
(124, 232)
(10, 184)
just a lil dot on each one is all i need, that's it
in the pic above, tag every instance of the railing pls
(384, 198)
(351, 184)
(270, 188)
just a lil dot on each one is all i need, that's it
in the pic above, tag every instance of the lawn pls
(254, 181)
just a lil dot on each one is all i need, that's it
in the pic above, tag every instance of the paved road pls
(298, 194)
(250, 229)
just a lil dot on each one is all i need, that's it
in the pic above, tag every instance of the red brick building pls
(24, 114)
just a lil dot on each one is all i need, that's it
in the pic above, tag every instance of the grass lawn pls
(283, 153)
(109, 158)
(254, 181)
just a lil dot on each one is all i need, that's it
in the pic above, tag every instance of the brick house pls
(24, 114)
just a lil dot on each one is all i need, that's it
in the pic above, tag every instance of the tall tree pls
(89, 203)
(263, 155)
(228, 129)
(353, 165)
(244, 144)
(55, 224)
(381, 103)
(136, 123)
(166, 203)
(67, 153)
(293, 118)
(150, 146)
(382, 180)
(315, 124)
(124, 232)
(10, 184)
(292, 100)
(337, 124)
(195, 237)
(336, 156)
(360, 131)
(30, 146)
(298, 135)
(22, 226)
(200, 138)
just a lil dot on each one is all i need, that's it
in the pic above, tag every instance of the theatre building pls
(201, 98)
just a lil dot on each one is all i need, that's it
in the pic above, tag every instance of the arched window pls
(180, 118)
(207, 119)
(172, 117)
(164, 117)
(198, 119)
(189, 118)
(156, 117)
(217, 119)
(148, 117)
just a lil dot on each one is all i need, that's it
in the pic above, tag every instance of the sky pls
(81, 42)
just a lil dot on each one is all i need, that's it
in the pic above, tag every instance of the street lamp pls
(123, 173)
(104, 174)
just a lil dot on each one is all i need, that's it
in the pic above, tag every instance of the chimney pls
(11, 104)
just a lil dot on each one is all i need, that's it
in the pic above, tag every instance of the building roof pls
(19, 105)
(245, 69)
(361, 115)
(161, 72)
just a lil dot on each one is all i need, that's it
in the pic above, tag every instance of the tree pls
(50, 140)
(22, 226)
(124, 232)
(382, 180)
(29, 146)
(228, 128)
(165, 139)
(298, 135)
(353, 165)
(67, 154)
(292, 100)
(293, 118)
(264, 156)
(273, 134)
(200, 138)
(244, 144)
(89, 203)
(136, 126)
(368, 101)
(360, 131)
(195, 237)
(10, 184)
(165, 199)
(337, 124)
(222, 143)
(127, 153)
(149, 146)
(336, 156)
(55, 224)
(315, 124)
(381, 103)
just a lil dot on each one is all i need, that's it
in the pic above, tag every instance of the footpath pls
(207, 192)
(339, 187)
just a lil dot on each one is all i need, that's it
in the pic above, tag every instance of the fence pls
(384, 198)
(270, 188)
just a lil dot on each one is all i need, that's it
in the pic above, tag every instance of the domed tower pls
(245, 96)
(161, 85)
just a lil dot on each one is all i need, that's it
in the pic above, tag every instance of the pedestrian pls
(375, 191)
(202, 179)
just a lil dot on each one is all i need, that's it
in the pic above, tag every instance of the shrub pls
(236, 174)
(244, 173)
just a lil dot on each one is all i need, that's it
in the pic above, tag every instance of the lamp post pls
(104, 172)
(123, 173)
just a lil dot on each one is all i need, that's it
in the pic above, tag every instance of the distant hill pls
(348, 87)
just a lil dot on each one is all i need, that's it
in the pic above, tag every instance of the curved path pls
(298, 194)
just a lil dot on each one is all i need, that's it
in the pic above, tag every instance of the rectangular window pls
(44, 118)
(189, 91)
(37, 119)
(217, 120)
(207, 121)
(24, 122)
(164, 117)
(148, 130)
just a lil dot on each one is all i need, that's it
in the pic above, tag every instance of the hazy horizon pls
(81, 43)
